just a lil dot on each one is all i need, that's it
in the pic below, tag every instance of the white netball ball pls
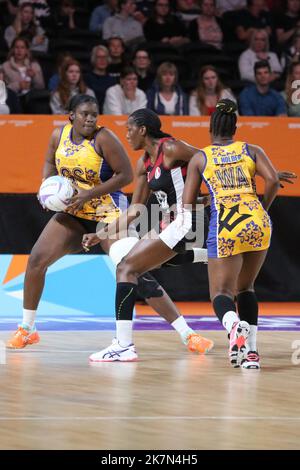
(55, 192)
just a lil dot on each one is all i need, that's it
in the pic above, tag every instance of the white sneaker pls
(237, 343)
(251, 361)
(115, 352)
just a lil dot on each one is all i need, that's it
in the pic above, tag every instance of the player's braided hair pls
(149, 119)
(223, 120)
(79, 99)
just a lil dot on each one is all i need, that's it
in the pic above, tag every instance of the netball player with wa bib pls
(239, 230)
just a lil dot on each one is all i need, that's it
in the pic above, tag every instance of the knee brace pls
(121, 248)
(149, 287)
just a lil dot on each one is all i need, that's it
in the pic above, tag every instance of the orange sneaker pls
(21, 338)
(197, 343)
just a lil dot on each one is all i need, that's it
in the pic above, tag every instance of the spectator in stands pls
(187, 10)
(116, 48)
(65, 18)
(293, 53)
(209, 91)
(101, 13)
(71, 84)
(260, 99)
(123, 24)
(258, 50)
(166, 96)
(62, 59)
(125, 97)
(288, 24)
(98, 79)
(21, 72)
(207, 28)
(142, 66)
(25, 26)
(291, 94)
(41, 9)
(255, 16)
(165, 27)
(8, 98)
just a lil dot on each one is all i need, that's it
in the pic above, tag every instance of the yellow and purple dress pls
(238, 222)
(86, 168)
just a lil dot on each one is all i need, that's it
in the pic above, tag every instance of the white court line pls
(47, 351)
(184, 354)
(151, 418)
(143, 356)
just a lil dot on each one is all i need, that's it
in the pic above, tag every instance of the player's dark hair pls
(79, 99)
(223, 120)
(149, 119)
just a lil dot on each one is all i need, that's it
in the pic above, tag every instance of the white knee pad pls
(121, 248)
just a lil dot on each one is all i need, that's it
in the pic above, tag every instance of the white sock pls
(181, 326)
(200, 255)
(29, 317)
(229, 319)
(124, 332)
(252, 338)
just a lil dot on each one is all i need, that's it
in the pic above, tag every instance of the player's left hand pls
(287, 177)
(88, 240)
(77, 202)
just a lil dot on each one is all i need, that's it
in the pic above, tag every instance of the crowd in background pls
(177, 57)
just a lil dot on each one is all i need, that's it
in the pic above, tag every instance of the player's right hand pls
(88, 240)
(286, 177)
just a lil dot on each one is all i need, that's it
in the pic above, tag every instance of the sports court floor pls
(51, 398)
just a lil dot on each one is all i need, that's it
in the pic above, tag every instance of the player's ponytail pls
(226, 106)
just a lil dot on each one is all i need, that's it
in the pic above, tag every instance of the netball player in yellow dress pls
(240, 227)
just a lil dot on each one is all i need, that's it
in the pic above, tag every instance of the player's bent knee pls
(124, 268)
